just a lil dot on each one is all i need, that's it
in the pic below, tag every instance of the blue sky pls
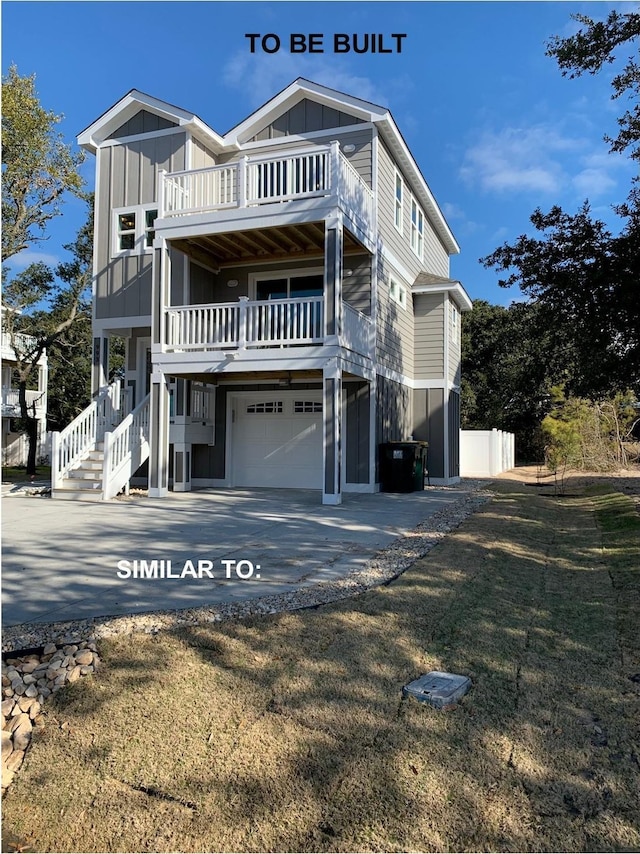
(495, 128)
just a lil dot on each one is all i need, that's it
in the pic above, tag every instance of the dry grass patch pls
(289, 733)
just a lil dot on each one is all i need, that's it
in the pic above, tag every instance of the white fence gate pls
(486, 453)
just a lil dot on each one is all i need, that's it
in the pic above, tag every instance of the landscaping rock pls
(83, 656)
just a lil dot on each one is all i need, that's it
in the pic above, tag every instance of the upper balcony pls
(299, 185)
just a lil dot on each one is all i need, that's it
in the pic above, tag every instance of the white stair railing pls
(125, 449)
(70, 446)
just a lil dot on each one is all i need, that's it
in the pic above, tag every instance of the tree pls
(40, 307)
(590, 49)
(38, 168)
(584, 281)
(582, 277)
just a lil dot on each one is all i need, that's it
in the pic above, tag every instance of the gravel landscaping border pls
(386, 565)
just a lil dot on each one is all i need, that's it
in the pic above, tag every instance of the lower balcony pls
(263, 324)
(11, 402)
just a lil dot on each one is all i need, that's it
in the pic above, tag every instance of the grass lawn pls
(18, 474)
(289, 733)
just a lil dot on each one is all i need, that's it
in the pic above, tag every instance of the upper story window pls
(417, 228)
(455, 324)
(398, 292)
(398, 202)
(134, 229)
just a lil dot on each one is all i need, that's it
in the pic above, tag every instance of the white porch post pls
(159, 436)
(332, 429)
(160, 290)
(100, 363)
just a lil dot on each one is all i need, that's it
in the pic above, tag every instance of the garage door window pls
(307, 406)
(269, 407)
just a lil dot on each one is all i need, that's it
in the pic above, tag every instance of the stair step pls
(82, 473)
(77, 483)
(77, 495)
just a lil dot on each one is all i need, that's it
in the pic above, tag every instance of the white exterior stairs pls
(84, 483)
(94, 458)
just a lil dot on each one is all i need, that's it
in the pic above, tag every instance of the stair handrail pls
(125, 449)
(71, 445)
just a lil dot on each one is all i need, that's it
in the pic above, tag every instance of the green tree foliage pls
(38, 168)
(588, 435)
(580, 279)
(46, 305)
(595, 46)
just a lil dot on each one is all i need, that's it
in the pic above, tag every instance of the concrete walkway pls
(60, 558)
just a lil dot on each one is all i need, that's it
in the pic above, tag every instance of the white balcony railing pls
(245, 324)
(257, 181)
(11, 402)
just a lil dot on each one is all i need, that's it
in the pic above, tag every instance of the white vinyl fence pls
(486, 453)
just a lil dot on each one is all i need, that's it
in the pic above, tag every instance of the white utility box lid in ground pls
(437, 688)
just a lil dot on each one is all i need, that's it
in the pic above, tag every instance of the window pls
(417, 228)
(398, 292)
(307, 406)
(270, 407)
(398, 202)
(150, 217)
(126, 230)
(134, 229)
(455, 324)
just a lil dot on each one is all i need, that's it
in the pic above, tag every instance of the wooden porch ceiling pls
(287, 242)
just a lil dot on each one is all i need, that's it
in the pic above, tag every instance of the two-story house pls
(285, 297)
(14, 440)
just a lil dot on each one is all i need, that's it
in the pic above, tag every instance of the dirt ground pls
(290, 733)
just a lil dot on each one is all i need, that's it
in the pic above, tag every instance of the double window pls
(134, 229)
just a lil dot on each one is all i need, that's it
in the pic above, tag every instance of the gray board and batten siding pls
(429, 320)
(128, 176)
(305, 117)
(142, 122)
(429, 424)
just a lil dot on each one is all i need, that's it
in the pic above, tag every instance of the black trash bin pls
(403, 466)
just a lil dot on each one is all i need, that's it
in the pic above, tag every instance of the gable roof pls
(128, 106)
(428, 283)
(365, 111)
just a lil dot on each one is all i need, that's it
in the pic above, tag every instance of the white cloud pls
(23, 259)
(541, 159)
(262, 75)
(518, 159)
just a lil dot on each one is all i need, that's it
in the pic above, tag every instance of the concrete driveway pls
(61, 558)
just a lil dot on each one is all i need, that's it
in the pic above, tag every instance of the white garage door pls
(277, 440)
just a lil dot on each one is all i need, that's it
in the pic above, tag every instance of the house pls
(14, 441)
(284, 294)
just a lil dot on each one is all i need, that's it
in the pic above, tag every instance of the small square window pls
(398, 293)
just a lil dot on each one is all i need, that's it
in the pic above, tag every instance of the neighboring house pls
(284, 293)
(14, 442)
